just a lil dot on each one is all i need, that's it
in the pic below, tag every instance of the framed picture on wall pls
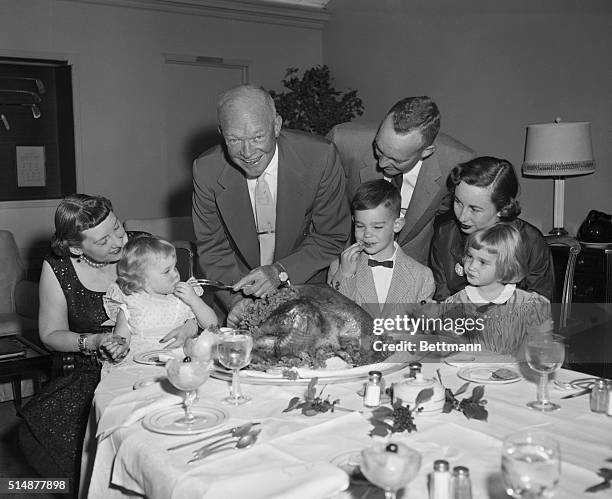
(36, 129)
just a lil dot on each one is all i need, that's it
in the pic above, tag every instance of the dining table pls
(305, 456)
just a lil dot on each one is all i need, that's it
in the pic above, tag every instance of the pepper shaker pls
(599, 396)
(461, 483)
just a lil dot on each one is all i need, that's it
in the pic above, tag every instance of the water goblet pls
(188, 375)
(234, 351)
(545, 354)
(531, 465)
(390, 466)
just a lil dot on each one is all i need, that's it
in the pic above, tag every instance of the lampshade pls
(558, 150)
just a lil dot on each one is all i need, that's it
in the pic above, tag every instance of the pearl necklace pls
(91, 263)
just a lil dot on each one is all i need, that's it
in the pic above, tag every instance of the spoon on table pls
(244, 442)
(235, 432)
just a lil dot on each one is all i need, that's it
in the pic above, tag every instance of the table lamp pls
(558, 150)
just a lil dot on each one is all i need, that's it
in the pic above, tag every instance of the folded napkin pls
(130, 407)
(264, 473)
(297, 481)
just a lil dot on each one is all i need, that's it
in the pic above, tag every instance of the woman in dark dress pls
(484, 192)
(87, 243)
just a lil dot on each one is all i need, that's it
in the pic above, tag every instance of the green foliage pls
(398, 418)
(312, 104)
(312, 403)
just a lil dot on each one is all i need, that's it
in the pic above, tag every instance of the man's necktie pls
(265, 214)
(397, 181)
(386, 263)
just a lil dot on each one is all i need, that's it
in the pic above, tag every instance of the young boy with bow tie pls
(375, 272)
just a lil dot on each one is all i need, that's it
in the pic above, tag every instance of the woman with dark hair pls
(88, 242)
(86, 246)
(484, 192)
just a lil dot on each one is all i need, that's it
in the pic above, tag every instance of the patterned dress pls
(506, 320)
(56, 417)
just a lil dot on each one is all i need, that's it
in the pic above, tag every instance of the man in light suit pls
(270, 205)
(406, 149)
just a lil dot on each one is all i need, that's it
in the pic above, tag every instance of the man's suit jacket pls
(312, 214)
(411, 283)
(430, 198)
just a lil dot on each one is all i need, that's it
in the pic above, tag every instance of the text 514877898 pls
(23, 485)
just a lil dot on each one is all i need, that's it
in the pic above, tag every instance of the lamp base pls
(558, 231)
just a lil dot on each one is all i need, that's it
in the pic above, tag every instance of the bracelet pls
(82, 343)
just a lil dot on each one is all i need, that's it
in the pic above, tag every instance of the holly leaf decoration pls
(472, 407)
(600, 486)
(423, 396)
(462, 389)
(311, 391)
(293, 404)
(398, 418)
(312, 404)
(606, 474)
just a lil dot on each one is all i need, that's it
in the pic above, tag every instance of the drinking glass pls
(531, 465)
(545, 354)
(390, 466)
(188, 376)
(234, 350)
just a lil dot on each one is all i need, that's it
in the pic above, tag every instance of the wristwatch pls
(283, 276)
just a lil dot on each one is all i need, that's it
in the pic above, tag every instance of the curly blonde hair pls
(138, 254)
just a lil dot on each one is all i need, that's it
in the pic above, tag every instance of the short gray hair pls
(245, 92)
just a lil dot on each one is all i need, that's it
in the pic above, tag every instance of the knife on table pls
(577, 394)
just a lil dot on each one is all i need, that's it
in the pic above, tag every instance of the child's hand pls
(115, 347)
(348, 259)
(186, 293)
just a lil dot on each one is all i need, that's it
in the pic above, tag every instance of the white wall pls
(117, 53)
(492, 67)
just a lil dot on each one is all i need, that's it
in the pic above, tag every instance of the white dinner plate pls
(165, 420)
(463, 359)
(152, 358)
(484, 374)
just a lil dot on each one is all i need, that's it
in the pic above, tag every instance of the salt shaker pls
(599, 396)
(415, 367)
(373, 389)
(609, 408)
(440, 480)
(461, 483)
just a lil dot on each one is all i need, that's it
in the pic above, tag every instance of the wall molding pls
(215, 62)
(244, 10)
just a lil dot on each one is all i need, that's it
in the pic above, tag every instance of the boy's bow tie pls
(386, 263)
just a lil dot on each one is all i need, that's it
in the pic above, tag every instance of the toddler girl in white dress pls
(148, 300)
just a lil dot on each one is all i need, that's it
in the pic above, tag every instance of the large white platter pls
(324, 375)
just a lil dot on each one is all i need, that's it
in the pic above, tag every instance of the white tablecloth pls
(134, 461)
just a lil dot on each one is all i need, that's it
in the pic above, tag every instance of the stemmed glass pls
(531, 465)
(390, 466)
(545, 354)
(234, 350)
(188, 375)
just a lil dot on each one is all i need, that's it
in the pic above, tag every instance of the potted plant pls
(311, 104)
